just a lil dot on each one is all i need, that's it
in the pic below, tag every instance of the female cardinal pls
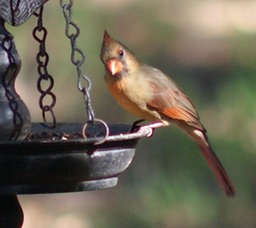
(151, 95)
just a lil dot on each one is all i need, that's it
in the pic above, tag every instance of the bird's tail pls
(214, 163)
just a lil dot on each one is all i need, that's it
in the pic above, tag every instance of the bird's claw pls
(135, 125)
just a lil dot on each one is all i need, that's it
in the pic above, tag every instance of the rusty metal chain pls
(84, 84)
(14, 10)
(7, 82)
(72, 32)
(42, 58)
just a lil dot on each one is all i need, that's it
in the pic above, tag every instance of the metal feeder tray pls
(60, 160)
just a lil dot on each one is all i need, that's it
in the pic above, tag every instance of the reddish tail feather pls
(214, 163)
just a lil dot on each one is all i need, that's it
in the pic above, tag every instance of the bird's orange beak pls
(114, 66)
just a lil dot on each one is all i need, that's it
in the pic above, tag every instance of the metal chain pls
(14, 10)
(42, 58)
(82, 78)
(77, 57)
(7, 45)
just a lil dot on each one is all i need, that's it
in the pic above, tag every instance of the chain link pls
(42, 58)
(7, 82)
(72, 31)
(14, 10)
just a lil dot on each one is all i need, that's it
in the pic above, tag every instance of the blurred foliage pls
(168, 184)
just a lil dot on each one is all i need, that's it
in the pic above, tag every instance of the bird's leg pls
(135, 125)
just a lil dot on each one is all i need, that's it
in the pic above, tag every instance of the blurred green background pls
(209, 49)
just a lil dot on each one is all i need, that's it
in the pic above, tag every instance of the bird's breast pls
(132, 95)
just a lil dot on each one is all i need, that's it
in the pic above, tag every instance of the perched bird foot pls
(136, 125)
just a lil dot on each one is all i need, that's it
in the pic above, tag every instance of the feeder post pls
(14, 119)
(11, 214)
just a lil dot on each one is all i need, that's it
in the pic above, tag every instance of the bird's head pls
(117, 59)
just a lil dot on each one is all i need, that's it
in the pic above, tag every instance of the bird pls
(151, 95)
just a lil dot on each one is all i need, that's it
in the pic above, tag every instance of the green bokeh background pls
(209, 49)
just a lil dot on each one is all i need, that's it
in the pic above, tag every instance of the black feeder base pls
(61, 160)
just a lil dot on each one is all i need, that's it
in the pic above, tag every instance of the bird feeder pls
(52, 157)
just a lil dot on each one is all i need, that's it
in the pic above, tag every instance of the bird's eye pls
(121, 52)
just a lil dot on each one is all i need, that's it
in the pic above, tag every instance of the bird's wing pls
(171, 102)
